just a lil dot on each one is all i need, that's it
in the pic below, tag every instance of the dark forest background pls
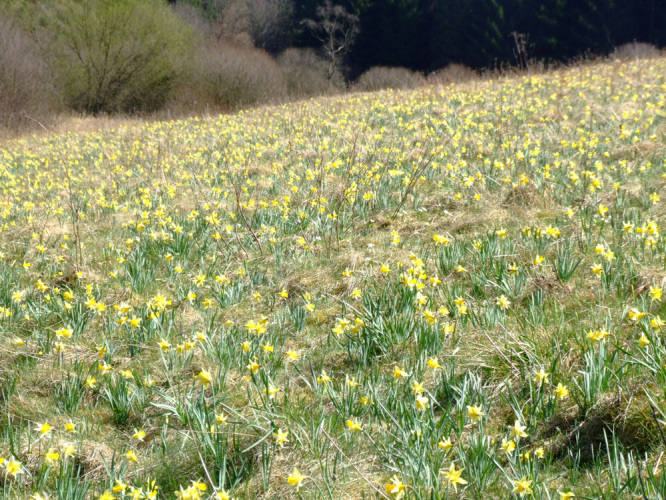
(425, 35)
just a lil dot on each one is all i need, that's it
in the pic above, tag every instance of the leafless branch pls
(336, 29)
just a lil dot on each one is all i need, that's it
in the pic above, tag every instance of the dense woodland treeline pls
(106, 56)
(426, 35)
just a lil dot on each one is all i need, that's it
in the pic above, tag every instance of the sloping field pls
(442, 293)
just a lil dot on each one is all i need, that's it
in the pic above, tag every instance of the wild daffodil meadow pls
(442, 293)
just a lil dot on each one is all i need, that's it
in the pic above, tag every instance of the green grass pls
(402, 282)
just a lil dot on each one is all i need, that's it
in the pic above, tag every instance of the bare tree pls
(25, 80)
(336, 29)
(270, 21)
(521, 49)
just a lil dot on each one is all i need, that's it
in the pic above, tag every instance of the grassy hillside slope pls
(442, 293)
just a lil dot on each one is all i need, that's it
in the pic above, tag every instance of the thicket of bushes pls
(305, 74)
(110, 56)
(228, 76)
(129, 56)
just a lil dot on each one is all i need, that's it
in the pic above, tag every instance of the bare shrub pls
(382, 77)
(224, 76)
(306, 73)
(25, 87)
(194, 17)
(635, 51)
(236, 24)
(453, 73)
